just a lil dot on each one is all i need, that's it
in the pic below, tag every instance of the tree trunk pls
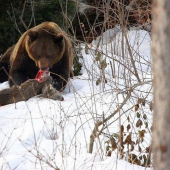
(161, 68)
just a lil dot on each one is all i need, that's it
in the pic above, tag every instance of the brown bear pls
(28, 89)
(44, 47)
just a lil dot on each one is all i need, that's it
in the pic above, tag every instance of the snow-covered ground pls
(43, 134)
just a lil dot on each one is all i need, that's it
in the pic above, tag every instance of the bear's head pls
(45, 46)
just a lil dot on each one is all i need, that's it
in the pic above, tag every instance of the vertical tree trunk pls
(161, 67)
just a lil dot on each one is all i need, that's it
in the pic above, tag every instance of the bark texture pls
(161, 68)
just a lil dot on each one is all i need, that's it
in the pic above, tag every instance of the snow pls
(46, 134)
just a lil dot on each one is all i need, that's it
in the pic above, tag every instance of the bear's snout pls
(44, 68)
(44, 64)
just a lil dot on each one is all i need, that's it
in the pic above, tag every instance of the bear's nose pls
(44, 68)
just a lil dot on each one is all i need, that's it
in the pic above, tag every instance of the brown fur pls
(25, 91)
(51, 93)
(6, 55)
(4, 65)
(29, 89)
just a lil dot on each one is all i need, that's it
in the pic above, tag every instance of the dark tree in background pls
(161, 66)
(8, 33)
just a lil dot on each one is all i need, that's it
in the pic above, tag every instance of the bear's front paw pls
(59, 85)
(55, 84)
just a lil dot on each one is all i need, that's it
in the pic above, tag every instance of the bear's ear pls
(33, 35)
(58, 38)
